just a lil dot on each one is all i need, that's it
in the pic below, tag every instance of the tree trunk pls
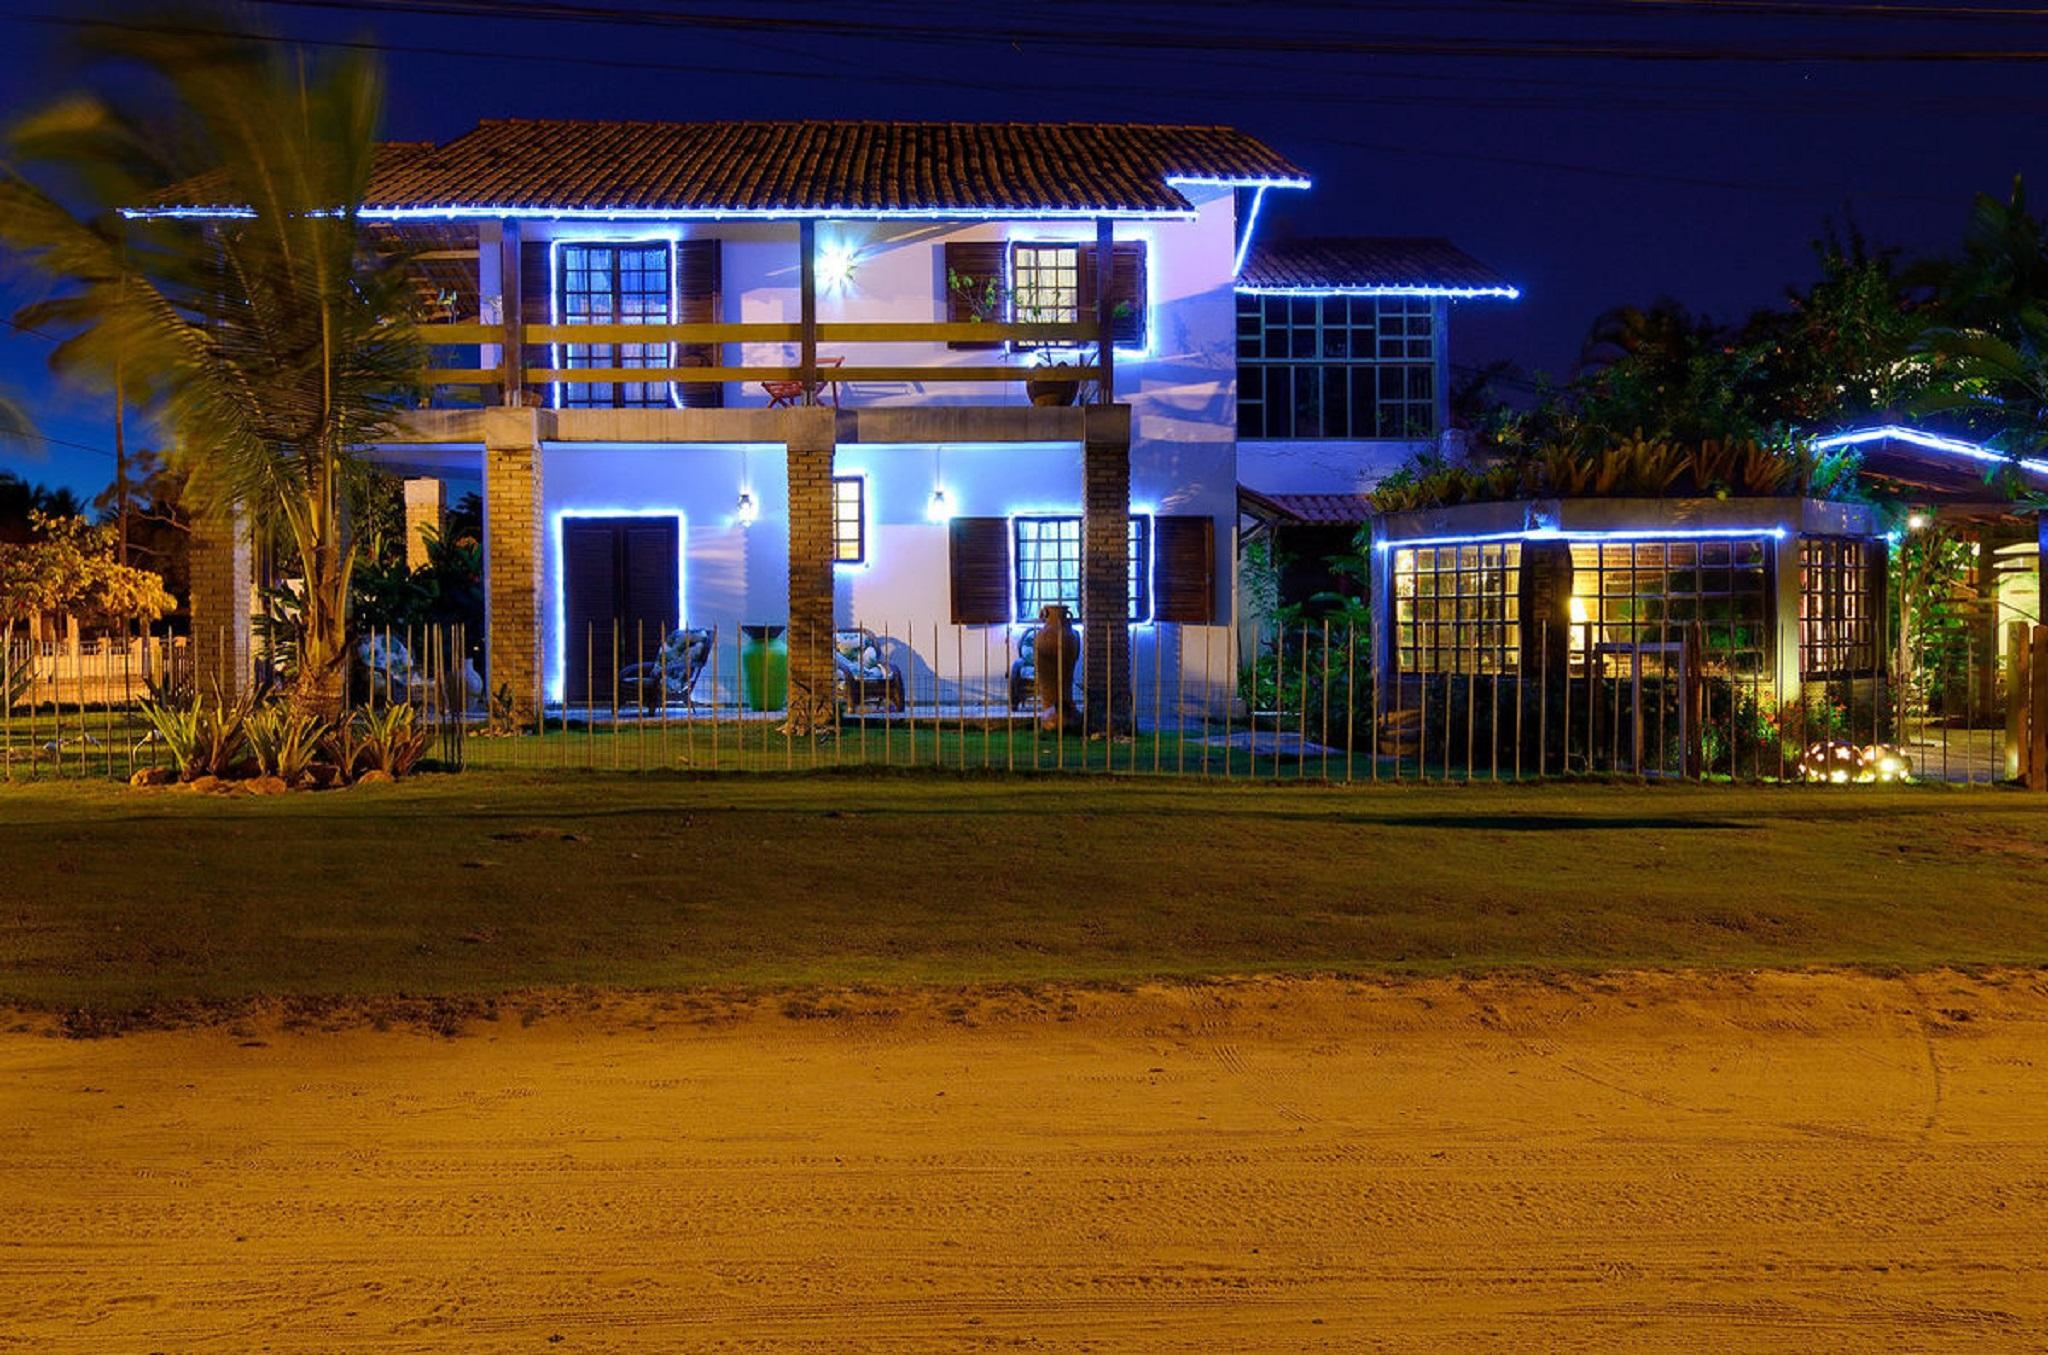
(322, 687)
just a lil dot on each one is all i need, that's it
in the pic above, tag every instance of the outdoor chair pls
(672, 674)
(865, 678)
(387, 667)
(784, 394)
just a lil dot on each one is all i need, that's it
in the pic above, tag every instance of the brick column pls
(223, 582)
(513, 539)
(1105, 569)
(426, 507)
(811, 442)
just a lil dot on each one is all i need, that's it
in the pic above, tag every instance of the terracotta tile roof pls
(811, 167)
(1323, 510)
(1419, 262)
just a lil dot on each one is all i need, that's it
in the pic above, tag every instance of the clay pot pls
(1058, 650)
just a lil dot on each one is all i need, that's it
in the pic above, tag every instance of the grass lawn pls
(115, 900)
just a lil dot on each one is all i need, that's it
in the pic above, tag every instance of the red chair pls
(782, 394)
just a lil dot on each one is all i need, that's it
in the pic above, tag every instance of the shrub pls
(285, 741)
(204, 737)
(393, 740)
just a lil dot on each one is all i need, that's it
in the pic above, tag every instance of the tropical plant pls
(205, 737)
(285, 741)
(343, 747)
(1631, 468)
(394, 740)
(270, 343)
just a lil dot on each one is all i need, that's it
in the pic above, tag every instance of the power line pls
(1178, 38)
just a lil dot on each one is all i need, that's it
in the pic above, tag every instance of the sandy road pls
(1824, 1162)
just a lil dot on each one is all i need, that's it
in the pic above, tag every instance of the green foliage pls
(284, 741)
(344, 746)
(394, 740)
(205, 737)
(267, 346)
(1935, 567)
(1635, 467)
(70, 568)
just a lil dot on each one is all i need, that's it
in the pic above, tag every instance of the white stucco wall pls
(1181, 387)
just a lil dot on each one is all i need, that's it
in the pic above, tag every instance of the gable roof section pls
(624, 169)
(1310, 510)
(1369, 265)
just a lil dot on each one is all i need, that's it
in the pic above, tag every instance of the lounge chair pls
(672, 674)
(865, 678)
(784, 394)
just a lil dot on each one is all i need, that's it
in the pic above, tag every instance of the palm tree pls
(1991, 358)
(268, 345)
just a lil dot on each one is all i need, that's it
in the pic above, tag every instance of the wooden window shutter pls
(980, 549)
(977, 262)
(1184, 569)
(536, 305)
(1127, 290)
(699, 301)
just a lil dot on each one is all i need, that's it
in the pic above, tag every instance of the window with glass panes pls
(849, 519)
(1336, 367)
(1046, 555)
(614, 284)
(1045, 284)
(1457, 609)
(1839, 587)
(1628, 593)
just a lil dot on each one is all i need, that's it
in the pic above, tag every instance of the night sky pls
(1539, 136)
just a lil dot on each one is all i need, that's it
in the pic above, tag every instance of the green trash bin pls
(764, 667)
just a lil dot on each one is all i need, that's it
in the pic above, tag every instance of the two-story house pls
(920, 377)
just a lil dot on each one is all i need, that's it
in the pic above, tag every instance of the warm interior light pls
(1580, 616)
(1916, 521)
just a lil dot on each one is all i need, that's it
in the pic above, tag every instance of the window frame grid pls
(1026, 598)
(857, 520)
(1620, 613)
(576, 260)
(1839, 607)
(1029, 257)
(1390, 358)
(1486, 642)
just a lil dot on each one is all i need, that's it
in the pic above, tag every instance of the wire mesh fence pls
(1310, 701)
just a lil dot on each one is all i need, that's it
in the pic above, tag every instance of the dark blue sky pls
(1591, 176)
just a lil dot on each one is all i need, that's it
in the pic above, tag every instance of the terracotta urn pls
(1058, 650)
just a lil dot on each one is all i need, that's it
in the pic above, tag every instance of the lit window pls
(1839, 587)
(849, 520)
(1047, 560)
(614, 284)
(1457, 609)
(1045, 284)
(1631, 593)
(1336, 367)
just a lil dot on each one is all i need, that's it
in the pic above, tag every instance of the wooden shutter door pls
(536, 307)
(977, 263)
(590, 591)
(1126, 290)
(647, 584)
(980, 549)
(699, 301)
(1184, 569)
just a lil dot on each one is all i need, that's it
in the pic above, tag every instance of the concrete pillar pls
(223, 584)
(513, 539)
(811, 443)
(1105, 568)
(426, 508)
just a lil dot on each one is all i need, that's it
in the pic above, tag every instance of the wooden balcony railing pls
(1081, 335)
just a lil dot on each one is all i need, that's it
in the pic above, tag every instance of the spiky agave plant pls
(269, 343)
(285, 741)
